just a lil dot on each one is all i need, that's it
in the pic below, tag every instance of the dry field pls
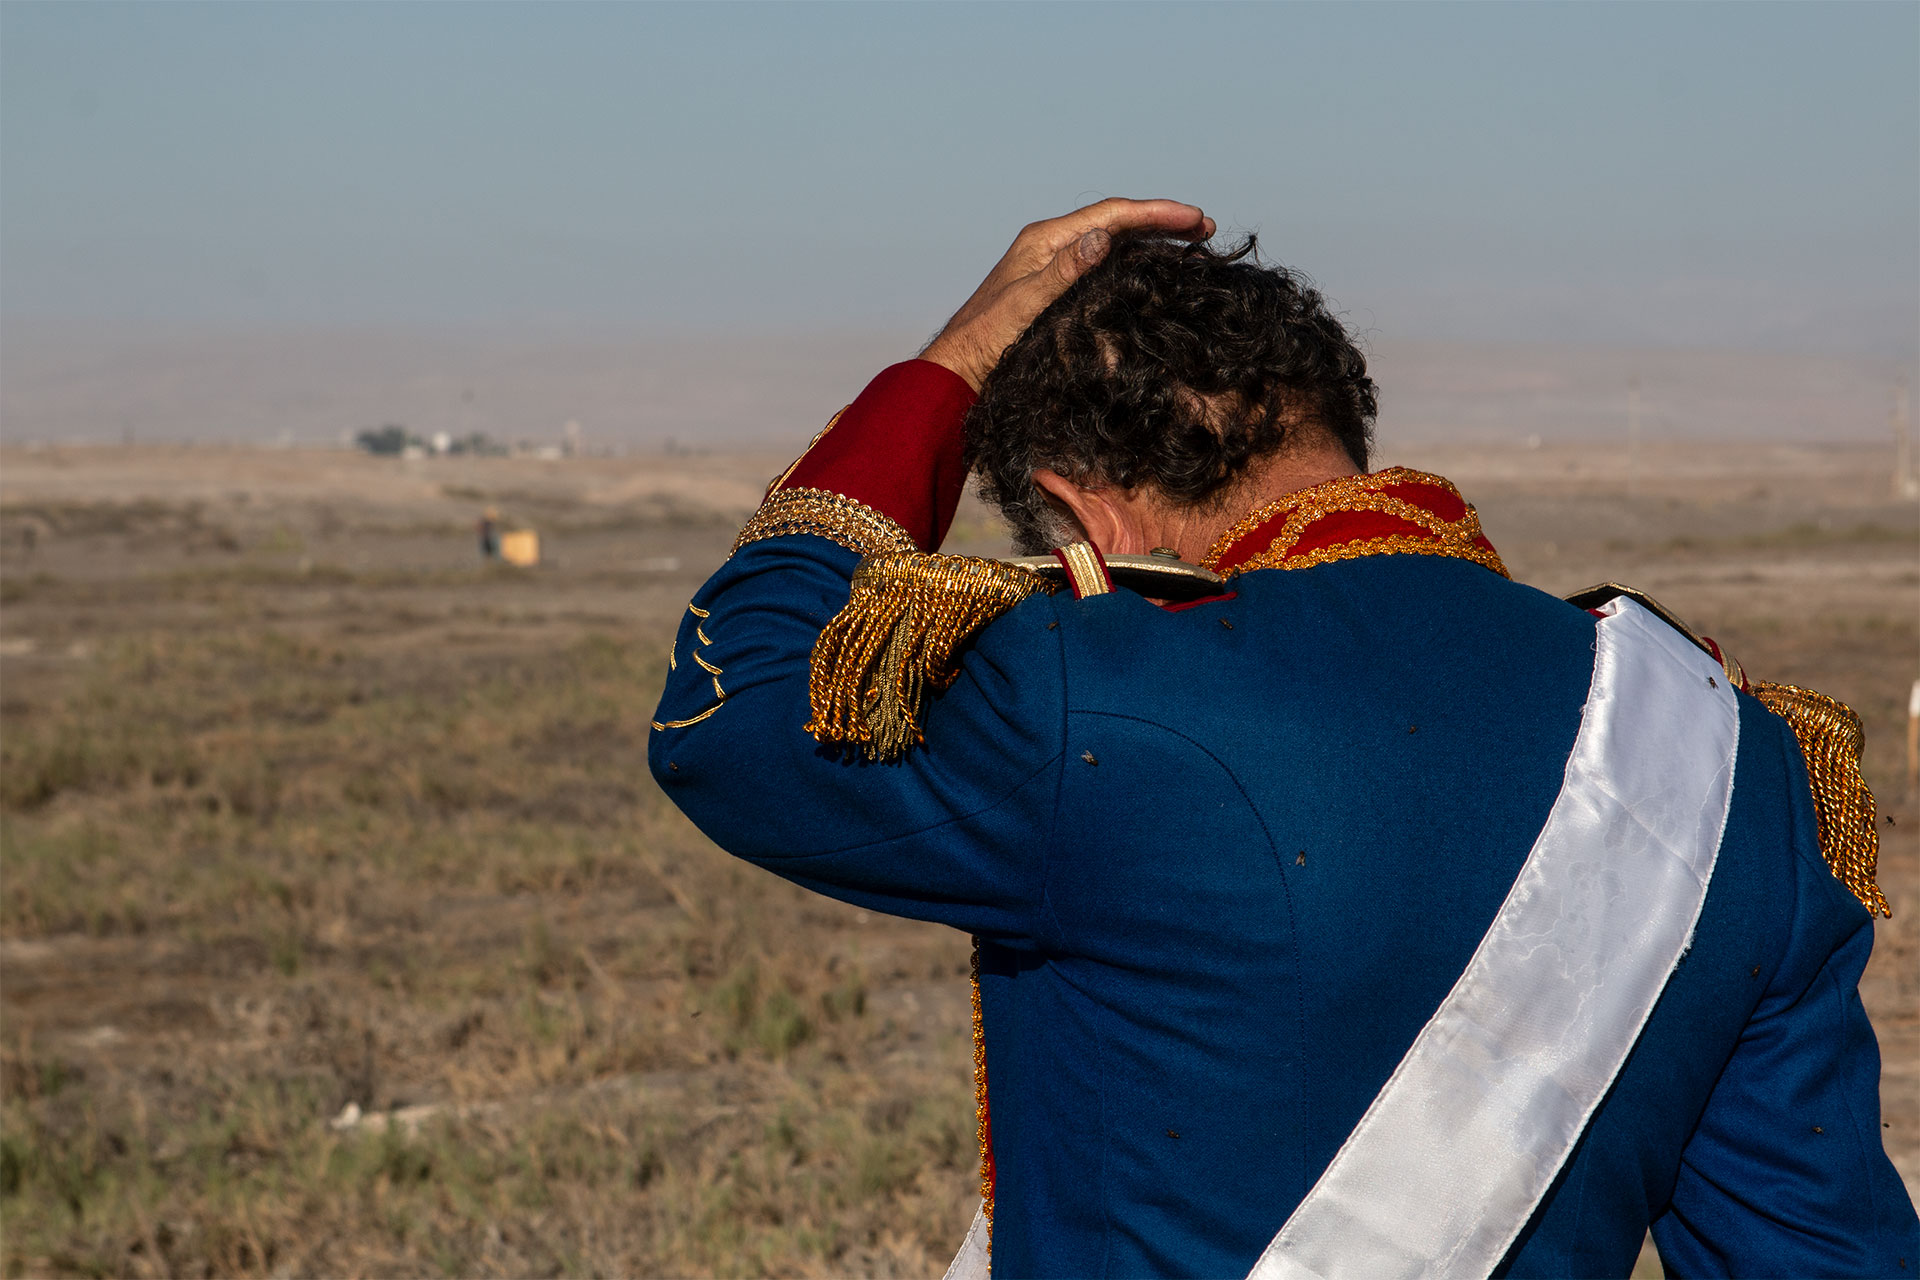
(343, 932)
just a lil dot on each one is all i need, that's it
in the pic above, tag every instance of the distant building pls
(390, 440)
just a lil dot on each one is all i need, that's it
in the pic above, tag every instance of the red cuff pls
(897, 448)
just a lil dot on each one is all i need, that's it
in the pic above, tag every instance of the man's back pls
(1227, 859)
(1284, 821)
(1303, 806)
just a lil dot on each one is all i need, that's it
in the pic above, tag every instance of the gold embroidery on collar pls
(1393, 544)
(823, 513)
(1328, 497)
(1382, 503)
(1454, 538)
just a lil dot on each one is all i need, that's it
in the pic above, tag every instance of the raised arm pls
(955, 830)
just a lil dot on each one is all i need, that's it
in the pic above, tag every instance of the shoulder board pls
(1159, 577)
(907, 615)
(1831, 740)
(1595, 596)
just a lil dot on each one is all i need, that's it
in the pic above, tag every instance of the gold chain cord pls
(823, 513)
(982, 1130)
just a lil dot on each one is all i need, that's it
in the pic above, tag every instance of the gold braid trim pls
(1393, 544)
(982, 1129)
(826, 514)
(906, 616)
(1314, 502)
(1831, 738)
(1454, 538)
(794, 466)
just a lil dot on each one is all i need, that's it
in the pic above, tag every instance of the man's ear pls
(1100, 523)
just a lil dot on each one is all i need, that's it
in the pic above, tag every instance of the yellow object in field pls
(521, 547)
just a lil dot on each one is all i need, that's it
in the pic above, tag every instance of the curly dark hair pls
(1168, 365)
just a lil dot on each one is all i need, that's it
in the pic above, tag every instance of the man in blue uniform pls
(1343, 907)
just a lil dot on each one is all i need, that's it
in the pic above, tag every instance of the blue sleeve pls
(1786, 1173)
(956, 832)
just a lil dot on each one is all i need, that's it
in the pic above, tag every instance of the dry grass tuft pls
(285, 878)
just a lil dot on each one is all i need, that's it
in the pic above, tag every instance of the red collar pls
(1393, 512)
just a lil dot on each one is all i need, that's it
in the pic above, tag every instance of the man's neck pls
(1192, 532)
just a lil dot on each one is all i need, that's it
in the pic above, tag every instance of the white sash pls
(1458, 1148)
(974, 1261)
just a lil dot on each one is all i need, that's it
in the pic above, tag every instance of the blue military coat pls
(1224, 862)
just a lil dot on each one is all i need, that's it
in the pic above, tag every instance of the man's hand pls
(1045, 258)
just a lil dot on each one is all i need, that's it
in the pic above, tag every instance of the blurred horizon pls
(773, 390)
(708, 223)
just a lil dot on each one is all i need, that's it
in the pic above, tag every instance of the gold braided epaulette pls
(898, 637)
(1832, 738)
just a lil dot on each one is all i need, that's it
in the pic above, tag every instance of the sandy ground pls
(1798, 559)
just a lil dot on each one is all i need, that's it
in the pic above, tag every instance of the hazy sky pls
(1711, 174)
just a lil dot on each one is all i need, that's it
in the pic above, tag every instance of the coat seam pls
(1286, 895)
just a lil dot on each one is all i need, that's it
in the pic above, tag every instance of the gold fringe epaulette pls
(1831, 739)
(897, 639)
